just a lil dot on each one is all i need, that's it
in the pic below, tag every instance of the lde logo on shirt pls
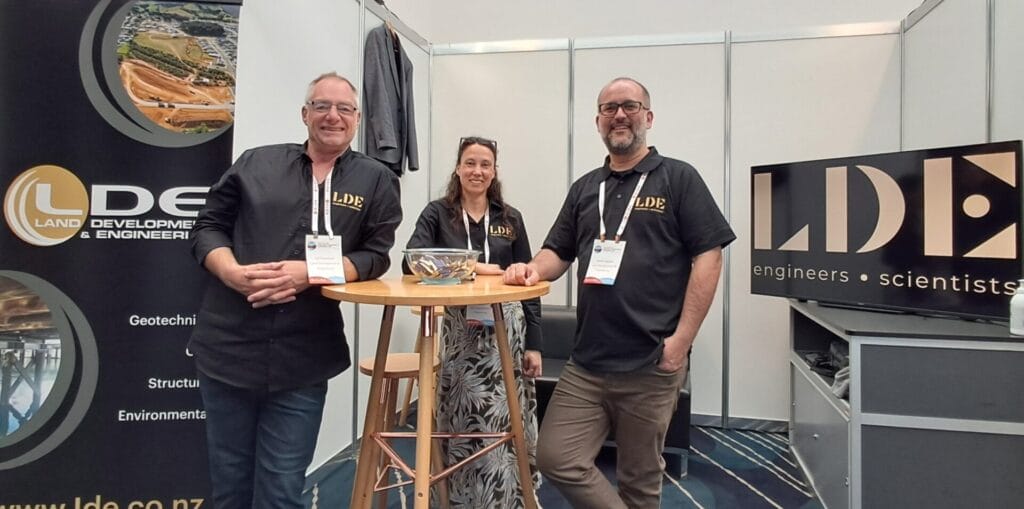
(503, 231)
(352, 201)
(650, 204)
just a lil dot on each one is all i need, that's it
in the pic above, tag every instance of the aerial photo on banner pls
(177, 60)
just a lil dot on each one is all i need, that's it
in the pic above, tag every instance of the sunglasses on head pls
(476, 140)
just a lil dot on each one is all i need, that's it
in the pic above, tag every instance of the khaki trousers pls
(584, 408)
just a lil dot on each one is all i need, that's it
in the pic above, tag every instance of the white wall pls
(1008, 71)
(945, 77)
(447, 21)
(795, 100)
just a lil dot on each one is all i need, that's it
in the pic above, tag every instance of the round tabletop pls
(408, 291)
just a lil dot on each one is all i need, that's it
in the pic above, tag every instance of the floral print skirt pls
(471, 398)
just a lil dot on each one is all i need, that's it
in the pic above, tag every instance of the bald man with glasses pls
(648, 237)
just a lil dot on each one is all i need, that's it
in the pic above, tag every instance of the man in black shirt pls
(265, 341)
(644, 291)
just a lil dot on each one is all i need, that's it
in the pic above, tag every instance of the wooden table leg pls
(438, 313)
(515, 413)
(425, 408)
(369, 451)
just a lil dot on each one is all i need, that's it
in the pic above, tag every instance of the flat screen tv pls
(936, 231)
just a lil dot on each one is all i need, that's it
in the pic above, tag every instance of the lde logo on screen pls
(936, 229)
(47, 205)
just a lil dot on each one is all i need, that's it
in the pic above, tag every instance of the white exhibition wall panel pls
(687, 86)
(415, 195)
(1008, 71)
(944, 76)
(281, 49)
(795, 100)
(521, 100)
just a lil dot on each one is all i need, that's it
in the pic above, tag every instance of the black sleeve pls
(428, 227)
(377, 233)
(702, 225)
(216, 221)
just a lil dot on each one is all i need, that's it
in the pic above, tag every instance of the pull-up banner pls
(935, 230)
(116, 117)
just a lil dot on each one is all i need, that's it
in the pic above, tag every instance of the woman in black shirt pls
(473, 215)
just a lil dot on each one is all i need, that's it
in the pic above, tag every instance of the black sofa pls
(559, 326)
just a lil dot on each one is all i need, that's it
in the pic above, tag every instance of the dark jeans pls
(260, 443)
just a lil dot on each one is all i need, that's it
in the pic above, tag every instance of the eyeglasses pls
(324, 107)
(476, 140)
(628, 107)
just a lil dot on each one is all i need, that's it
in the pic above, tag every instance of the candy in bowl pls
(441, 266)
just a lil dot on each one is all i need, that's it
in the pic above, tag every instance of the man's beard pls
(624, 148)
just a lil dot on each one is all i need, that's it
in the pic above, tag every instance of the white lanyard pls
(487, 231)
(629, 208)
(315, 221)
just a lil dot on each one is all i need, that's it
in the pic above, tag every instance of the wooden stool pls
(398, 366)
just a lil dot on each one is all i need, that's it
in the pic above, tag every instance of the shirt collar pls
(651, 161)
(304, 155)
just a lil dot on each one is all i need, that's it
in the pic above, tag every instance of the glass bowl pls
(441, 266)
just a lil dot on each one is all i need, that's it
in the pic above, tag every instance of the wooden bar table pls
(408, 291)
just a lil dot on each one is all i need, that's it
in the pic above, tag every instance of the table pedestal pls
(367, 480)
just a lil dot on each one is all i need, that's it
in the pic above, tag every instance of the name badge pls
(480, 313)
(324, 264)
(605, 260)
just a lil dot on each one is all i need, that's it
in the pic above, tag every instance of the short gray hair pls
(326, 76)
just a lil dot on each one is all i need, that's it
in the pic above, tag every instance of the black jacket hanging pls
(388, 112)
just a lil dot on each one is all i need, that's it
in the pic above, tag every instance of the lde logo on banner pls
(932, 229)
(47, 205)
(38, 217)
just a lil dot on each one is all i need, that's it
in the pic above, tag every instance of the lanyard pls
(315, 221)
(629, 208)
(487, 231)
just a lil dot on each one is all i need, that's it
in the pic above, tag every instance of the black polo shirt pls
(621, 328)
(261, 209)
(441, 226)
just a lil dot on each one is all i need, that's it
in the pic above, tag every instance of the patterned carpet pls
(727, 469)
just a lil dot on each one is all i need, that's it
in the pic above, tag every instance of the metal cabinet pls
(935, 416)
(819, 435)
